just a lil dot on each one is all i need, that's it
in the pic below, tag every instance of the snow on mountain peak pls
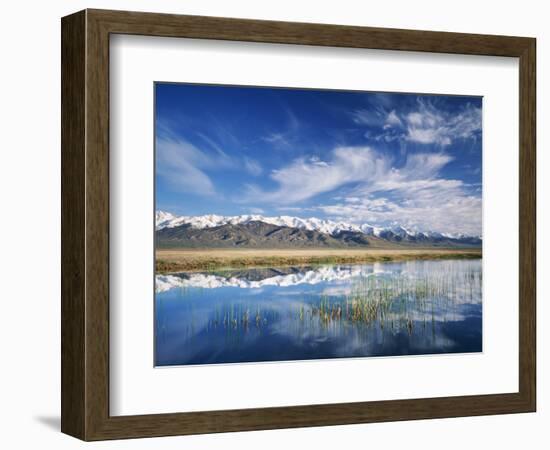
(168, 220)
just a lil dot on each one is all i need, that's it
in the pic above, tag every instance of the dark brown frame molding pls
(85, 224)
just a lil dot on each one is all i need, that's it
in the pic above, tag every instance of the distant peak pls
(166, 219)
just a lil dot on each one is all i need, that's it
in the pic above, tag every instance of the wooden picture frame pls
(85, 224)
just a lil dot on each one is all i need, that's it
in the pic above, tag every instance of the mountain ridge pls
(168, 220)
(256, 231)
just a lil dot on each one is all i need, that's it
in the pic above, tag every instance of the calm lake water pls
(334, 311)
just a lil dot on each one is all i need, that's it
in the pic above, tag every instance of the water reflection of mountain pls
(257, 278)
(263, 273)
(334, 275)
(296, 313)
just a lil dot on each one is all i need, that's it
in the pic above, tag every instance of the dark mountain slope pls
(254, 235)
(257, 234)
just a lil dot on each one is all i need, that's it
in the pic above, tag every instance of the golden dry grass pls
(175, 260)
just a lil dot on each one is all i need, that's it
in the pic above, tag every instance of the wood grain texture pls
(85, 224)
(97, 225)
(201, 27)
(73, 109)
(527, 224)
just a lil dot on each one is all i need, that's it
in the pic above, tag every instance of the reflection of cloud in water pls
(337, 291)
(347, 340)
(280, 314)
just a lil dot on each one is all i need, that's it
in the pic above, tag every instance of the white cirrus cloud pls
(252, 166)
(430, 125)
(180, 163)
(436, 207)
(305, 178)
(427, 124)
(184, 165)
(372, 117)
(286, 137)
(393, 120)
(413, 194)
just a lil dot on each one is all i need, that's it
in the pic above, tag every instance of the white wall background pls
(30, 225)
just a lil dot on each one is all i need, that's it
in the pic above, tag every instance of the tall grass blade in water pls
(271, 314)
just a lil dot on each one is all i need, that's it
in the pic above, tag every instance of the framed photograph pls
(273, 225)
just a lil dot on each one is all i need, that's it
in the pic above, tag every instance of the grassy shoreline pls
(193, 260)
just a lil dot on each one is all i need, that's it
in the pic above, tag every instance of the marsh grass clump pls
(399, 301)
(392, 302)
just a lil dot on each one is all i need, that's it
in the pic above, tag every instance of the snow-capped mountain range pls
(168, 220)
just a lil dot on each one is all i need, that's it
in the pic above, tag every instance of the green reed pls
(394, 302)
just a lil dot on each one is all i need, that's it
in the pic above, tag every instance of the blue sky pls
(359, 157)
